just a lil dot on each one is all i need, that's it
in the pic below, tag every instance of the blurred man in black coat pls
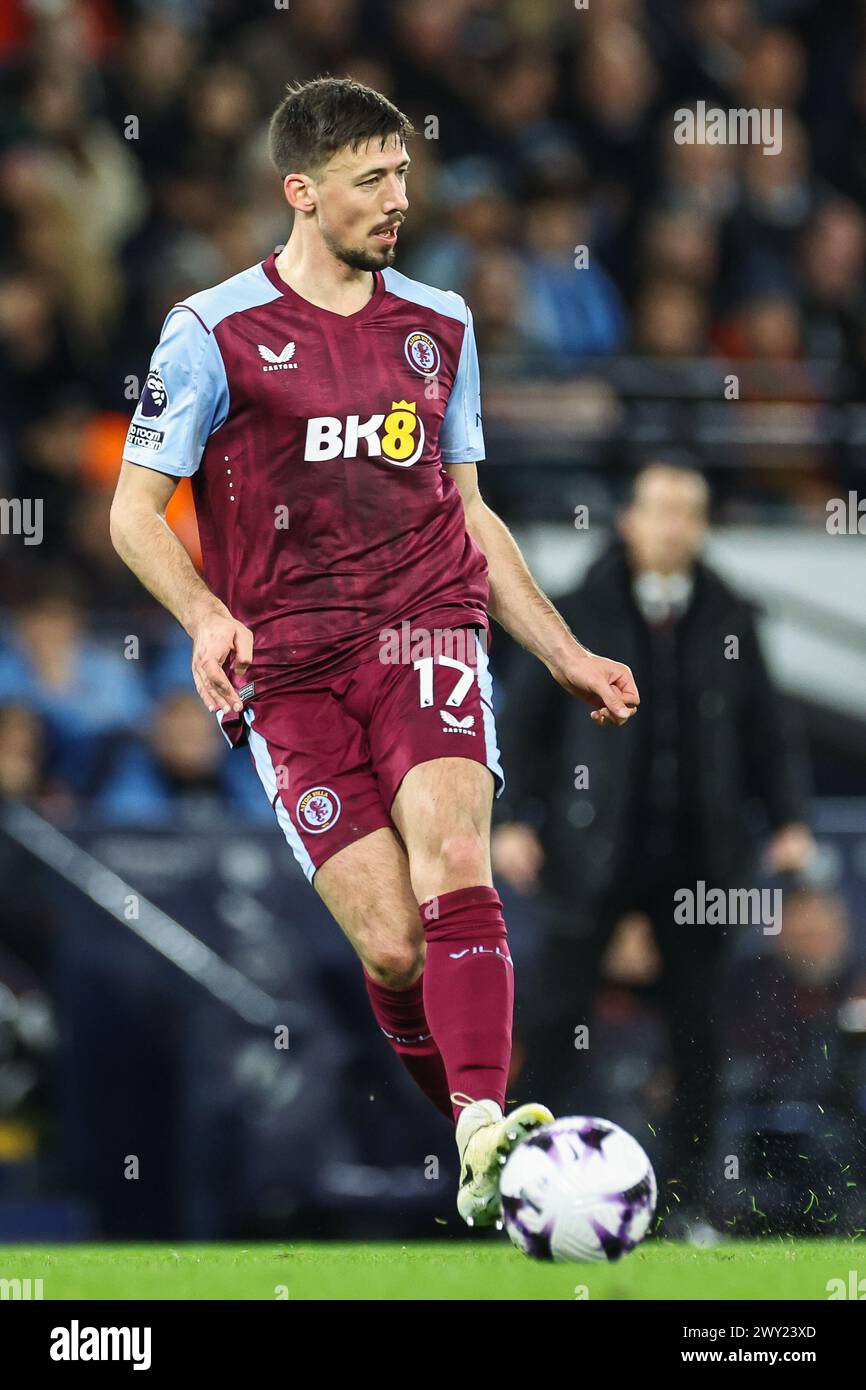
(608, 826)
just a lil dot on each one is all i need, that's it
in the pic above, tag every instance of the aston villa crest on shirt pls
(422, 353)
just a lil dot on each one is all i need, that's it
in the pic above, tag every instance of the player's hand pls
(517, 855)
(217, 636)
(608, 686)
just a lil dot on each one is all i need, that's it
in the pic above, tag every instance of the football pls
(579, 1189)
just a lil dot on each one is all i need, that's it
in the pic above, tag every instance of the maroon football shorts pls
(331, 760)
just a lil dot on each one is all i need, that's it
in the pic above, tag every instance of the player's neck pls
(323, 280)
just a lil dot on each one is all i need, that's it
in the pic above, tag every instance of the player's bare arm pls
(146, 543)
(519, 605)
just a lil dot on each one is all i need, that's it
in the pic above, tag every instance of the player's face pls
(362, 201)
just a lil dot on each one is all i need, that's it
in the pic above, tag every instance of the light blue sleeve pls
(185, 398)
(461, 438)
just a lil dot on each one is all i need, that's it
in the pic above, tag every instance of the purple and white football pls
(578, 1189)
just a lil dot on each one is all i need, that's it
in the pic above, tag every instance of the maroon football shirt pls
(316, 443)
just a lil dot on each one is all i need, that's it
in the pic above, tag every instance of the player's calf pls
(402, 1019)
(469, 989)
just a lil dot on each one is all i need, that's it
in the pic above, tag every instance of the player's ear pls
(299, 192)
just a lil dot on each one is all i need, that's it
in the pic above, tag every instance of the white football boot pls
(485, 1138)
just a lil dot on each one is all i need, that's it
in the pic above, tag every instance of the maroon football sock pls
(469, 990)
(400, 1015)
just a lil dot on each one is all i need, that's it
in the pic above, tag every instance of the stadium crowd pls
(134, 172)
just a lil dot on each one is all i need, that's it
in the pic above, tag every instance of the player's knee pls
(464, 857)
(395, 967)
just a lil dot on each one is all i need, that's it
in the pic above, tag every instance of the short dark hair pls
(672, 462)
(319, 117)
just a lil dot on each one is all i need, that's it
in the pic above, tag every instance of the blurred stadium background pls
(133, 172)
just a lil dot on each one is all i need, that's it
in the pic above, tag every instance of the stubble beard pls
(357, 256)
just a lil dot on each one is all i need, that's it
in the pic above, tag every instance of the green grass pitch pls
(486, 1270)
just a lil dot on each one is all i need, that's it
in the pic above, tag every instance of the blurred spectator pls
(701, 178)
(721, 31)
(610, 826)
(529, 143)
(832, 266)
(670, 320)
(83, 692)
(783, 1004)
(681, 245)
(97, 565)
(22, 753)
(478, 221)
(767, 325)
(496, 291)
(616, 85)
(777, 198)
(794, 1046)
(88, 166)
(773, 71)
(149, 80)
(182, 773)
(571, 310)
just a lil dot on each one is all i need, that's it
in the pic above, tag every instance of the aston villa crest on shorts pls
(318, 809)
